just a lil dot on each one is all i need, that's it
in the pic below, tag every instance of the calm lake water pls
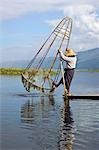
(32, 121)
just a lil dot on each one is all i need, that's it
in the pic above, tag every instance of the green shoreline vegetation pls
(18, 71)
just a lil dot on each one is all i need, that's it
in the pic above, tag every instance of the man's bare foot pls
(69, 94)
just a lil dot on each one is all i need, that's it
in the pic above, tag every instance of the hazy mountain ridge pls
(88, 59)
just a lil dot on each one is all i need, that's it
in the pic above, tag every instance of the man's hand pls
(59, 50)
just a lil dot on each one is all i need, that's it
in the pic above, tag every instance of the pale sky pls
(25, 25)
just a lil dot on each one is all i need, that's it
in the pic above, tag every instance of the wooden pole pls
(62, 72)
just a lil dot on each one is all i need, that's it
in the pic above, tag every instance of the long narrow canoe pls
(93, 97)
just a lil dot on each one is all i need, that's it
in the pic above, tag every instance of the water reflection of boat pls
(66, 128)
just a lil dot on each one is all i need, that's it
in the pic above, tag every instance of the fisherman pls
(70, 57)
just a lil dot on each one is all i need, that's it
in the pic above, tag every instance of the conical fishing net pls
(44, 68)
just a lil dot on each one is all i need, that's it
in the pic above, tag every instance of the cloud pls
(85, 15)
(13, 8)
(85, 24)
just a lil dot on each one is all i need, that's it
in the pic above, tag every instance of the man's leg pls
(54, 85)
(60, 82)
(68, 79)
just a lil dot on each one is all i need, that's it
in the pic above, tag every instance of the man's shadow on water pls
(66, 127)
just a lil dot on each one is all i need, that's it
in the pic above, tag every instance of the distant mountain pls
(88, 59)
(15, 64)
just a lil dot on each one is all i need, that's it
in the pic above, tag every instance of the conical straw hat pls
(69, 52)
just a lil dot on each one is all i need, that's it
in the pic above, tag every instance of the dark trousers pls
(68, 76)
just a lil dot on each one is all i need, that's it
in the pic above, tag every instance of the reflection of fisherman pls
(70, 57)
(66, 128)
